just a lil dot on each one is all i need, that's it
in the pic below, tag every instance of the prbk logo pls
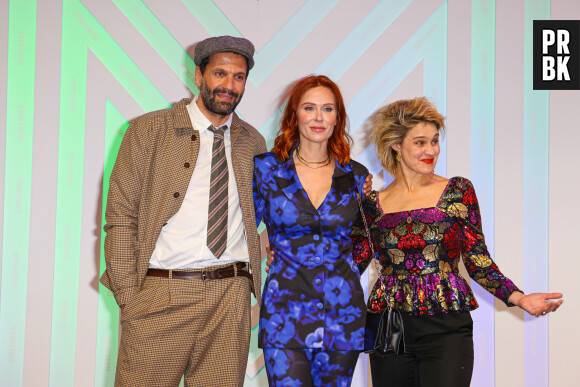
(556, 54)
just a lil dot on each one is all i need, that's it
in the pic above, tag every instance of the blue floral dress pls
(312, 297)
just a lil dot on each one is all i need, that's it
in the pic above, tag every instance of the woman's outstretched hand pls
(537, 304)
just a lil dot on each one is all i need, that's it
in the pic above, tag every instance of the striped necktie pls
(217, 225)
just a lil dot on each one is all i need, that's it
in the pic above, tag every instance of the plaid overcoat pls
(148, 183)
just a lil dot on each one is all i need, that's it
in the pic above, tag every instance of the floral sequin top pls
(420, 249)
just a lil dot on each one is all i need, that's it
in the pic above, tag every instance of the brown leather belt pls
(225, 272)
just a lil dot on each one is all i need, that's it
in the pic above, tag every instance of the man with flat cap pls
(182, 248)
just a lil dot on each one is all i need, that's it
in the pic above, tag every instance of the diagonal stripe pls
(217, 224)
(536, 140)
(220, 209)
(280, 46)
(219, 173)
(162, 41)
(218, 238)
(218, 170)
(223, 189)
(217, 220)
(220, 203)
(80, 33)
(217, 151)
(218, 184)
(361, 38)
(482, 169)
(17, 185)
(425, 45)
(219, 244)
(219, 160)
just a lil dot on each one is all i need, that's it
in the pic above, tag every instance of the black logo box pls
(573, 63)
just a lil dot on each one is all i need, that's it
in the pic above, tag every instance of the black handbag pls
(384, 333)
(384, 330)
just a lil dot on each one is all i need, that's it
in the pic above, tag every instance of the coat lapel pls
(186, 136)
(239, 150)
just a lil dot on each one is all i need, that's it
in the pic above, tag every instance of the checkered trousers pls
(195, 328)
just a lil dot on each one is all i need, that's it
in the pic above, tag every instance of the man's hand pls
(270, 259)
(368, 186)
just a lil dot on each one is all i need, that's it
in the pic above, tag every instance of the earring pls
(398, 157)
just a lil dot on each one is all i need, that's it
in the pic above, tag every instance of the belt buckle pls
(203, 275)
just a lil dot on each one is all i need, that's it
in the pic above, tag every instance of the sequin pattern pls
(420, 249)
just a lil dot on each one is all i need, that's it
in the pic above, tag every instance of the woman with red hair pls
(313, 308)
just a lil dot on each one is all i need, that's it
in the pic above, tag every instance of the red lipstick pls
(427, 161)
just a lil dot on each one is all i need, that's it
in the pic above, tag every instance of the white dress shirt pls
(182, 243)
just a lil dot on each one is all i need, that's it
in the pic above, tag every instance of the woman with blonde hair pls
(420, 226)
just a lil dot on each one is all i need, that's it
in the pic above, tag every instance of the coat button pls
(176, 195)
(317, 260)
(316, 237)
(317, 281)
(193, 137)
(320, 305)
(316, 217)
(186, 165)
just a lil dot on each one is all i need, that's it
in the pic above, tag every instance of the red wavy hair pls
(338, 144)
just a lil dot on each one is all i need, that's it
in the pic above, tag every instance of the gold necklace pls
(321, 164)
(310, 162)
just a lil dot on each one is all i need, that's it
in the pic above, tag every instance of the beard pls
(211, 102)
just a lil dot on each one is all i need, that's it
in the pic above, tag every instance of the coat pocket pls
(148, 301)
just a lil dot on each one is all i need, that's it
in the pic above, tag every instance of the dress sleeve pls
(259, 202)
(474, 251)
(360, 173)
(362, 254)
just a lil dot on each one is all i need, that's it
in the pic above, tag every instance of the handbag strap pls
(371, 245)
(374, 256)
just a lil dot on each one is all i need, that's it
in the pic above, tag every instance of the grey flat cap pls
(225, 43)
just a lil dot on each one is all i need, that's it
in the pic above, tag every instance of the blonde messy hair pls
(392, 123)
